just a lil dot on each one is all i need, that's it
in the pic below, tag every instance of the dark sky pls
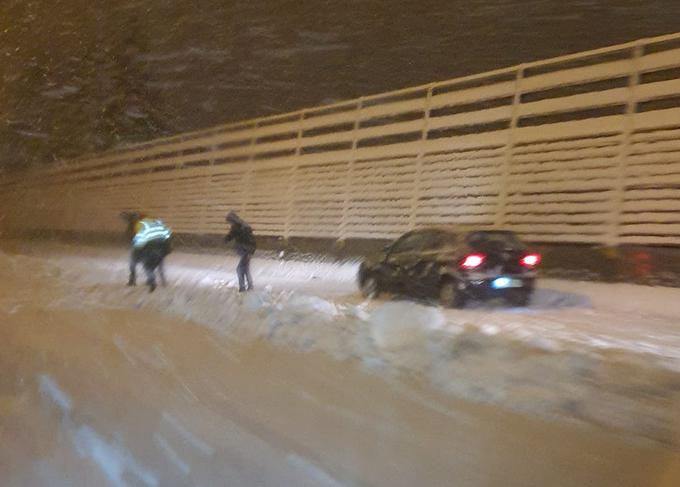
(78, 76)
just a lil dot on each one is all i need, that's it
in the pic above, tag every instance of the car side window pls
(438, 240)
(408, 243)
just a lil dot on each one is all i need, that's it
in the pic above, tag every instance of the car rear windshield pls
(487, 237)
(439, 240)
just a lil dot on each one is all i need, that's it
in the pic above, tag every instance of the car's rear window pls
(486, 237)
(439, 239)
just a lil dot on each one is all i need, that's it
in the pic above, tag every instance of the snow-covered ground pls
(605, 354)
(196, 384)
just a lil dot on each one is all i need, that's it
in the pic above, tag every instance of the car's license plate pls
(504, 282)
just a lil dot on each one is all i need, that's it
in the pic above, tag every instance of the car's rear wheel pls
(450, 296)
(369, 286)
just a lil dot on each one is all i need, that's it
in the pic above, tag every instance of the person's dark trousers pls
(243, 272)
(142, 255)
(161, 273)
(135, 257)
(152, 256)
(149, 269)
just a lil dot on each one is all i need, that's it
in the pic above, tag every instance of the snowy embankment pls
(601, 354)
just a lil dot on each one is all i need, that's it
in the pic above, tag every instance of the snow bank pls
(617, 389)
(401, 325)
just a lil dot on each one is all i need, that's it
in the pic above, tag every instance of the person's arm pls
(229, 237)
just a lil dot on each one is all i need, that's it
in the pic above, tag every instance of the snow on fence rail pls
(581, 148)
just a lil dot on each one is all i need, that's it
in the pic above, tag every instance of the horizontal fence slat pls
(659, 89)
(585, 74)
(577, 128)
(658, 60)
(574, 102)
(656, 119)
(471, 118)
(481, 93)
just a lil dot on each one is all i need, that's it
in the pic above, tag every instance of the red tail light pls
(472, 261)
(530, 260)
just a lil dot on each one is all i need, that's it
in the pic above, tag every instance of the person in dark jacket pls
(244, 243)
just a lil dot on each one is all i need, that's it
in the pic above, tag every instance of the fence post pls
(349, 175)
(612, 239)
(249, 172)
(509, 146)
(419, 158)
(290, 192)
(207, 195)
(210, 185)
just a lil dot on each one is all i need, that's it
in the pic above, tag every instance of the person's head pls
(131, 216)
(232, 218)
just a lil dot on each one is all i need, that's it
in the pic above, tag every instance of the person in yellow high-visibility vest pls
(151, 243)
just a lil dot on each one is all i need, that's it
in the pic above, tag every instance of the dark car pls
(453, 266)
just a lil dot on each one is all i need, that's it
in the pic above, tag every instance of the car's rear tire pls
(519, 297)
(369, 286)
(449, 294)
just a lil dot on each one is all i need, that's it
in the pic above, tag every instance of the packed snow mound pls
(399, 325)
(311, 304)
(400, 335)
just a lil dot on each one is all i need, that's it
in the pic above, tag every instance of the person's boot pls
(152, 285)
